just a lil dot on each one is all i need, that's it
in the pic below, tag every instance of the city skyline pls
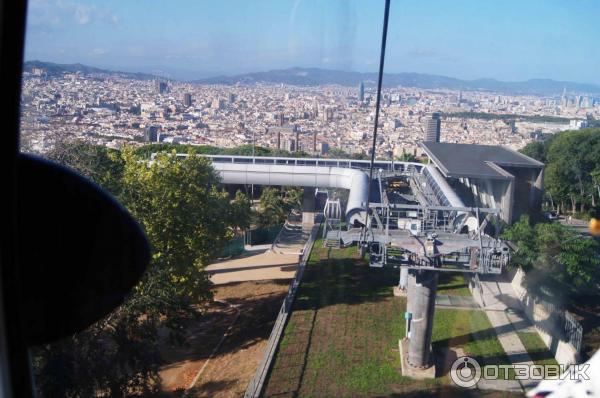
(534, 86)
(466, 40)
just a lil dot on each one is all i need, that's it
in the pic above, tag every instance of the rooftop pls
(476, 161)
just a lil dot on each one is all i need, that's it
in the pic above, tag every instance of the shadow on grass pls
(332, 277)
(343, 281)
(440, 348)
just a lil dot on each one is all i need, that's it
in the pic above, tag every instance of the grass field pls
(536, 348)
(453, 284)
(342, 336)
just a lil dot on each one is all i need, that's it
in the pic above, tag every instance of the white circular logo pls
(465, 372)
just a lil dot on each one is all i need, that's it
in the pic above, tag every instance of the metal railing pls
(384, 165)
(256, 384)
(573, 331)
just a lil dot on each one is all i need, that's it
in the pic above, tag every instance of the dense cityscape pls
(114, 110)
(301, 198)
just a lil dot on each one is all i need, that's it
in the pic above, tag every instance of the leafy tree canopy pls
(571, 158)
(556, 259)
(187, 221)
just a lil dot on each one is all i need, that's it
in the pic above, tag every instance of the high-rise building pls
(38, 71)
(151, 134)
(361, 91)
(322, 148)
(217, 104)
(160, 86)
(564, 100)
(432, 126)
(327, 114)
(187, 99)
(290, 145)
(280, 119)
(232, 98)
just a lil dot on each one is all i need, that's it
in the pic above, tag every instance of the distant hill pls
(54, 69)
(316, 76)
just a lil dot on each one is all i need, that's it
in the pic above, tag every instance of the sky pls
(509, 40)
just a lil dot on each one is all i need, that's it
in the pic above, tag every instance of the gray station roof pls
(476, 161)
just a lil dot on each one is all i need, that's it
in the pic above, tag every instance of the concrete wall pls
(528, 190)
(547, 321)
(520, 192)
(308, 207)
(496, 194)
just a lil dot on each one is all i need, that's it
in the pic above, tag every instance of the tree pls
(595, 175)
(147, 150)
(336, 153)
(580, 257)
(536, 150)
(102, 165)
(272, 208)
(560, 264)
(407, 157)
(241, 211)
(522, 235)
(571, 159)
(185, 217)
(292, 199)
(187, 221)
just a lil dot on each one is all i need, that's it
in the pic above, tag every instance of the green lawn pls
(342, 336)
(536, 348)
(453, 284)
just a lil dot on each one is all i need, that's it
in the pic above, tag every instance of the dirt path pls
(231, 367)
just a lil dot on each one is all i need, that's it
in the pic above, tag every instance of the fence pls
(233, 248)
(573, 331)
(262, 235)
(256, 384)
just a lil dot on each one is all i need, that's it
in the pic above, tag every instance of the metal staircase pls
(332, 239)
(333, 223)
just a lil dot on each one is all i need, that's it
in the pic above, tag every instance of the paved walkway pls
(497, 299)
(291, 239)
(277, 261)
(578, 226)
(256, 266)
(455, 302)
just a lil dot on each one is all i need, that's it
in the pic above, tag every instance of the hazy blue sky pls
(502, 39)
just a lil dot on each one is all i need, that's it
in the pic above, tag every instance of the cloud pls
(81, 14)
(53, 14)
(97, 52)
(424, 53)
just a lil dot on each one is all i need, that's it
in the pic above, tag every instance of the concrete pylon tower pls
(415, 349)
(422, 289)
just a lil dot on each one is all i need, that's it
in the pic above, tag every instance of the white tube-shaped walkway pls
(356, 181)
